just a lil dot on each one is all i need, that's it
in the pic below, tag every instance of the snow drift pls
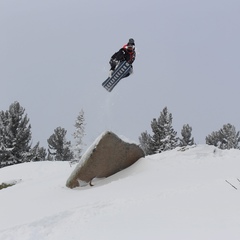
(172, 195)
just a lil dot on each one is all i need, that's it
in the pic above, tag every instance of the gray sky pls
(54, 56)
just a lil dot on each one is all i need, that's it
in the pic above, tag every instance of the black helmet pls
(131, 41)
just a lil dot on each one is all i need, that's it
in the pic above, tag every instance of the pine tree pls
(15, 136)
(38, 153)
(187, 139)
(61, 148)
(225, 138)
(163, 138)
(156, 140)
(49, 156)
(78, 135)
(229, 137)
(213, 139)
(145, 142)
(168, 139)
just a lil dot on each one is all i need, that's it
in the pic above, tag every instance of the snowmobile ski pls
(122, 70)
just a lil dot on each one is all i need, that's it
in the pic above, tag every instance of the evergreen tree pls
(61, 148)
(163, 138)
(229, 138)
(168, 138)
(213, 139)
(225, 138)
(38, 153)
(78, 135)
(49, 157)
(156, 139)
(145, 142)
(187, 139)
(15, 136)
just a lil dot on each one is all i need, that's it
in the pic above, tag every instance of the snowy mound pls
(172, 195)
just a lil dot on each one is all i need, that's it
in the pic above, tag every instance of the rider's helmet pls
(131, 44)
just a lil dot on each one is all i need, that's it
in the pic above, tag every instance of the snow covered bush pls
(187, 139)
(225, 138)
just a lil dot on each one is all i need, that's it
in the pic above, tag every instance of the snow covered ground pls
(172, 195)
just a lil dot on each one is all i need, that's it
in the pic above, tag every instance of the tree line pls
(164, 137)
(16, 138)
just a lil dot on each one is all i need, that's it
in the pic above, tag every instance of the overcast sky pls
(54, 57)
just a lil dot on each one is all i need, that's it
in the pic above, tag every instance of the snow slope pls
(172, 195)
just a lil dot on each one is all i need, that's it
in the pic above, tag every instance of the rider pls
(126, 53)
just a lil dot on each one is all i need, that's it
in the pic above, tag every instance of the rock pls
(107, 156)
